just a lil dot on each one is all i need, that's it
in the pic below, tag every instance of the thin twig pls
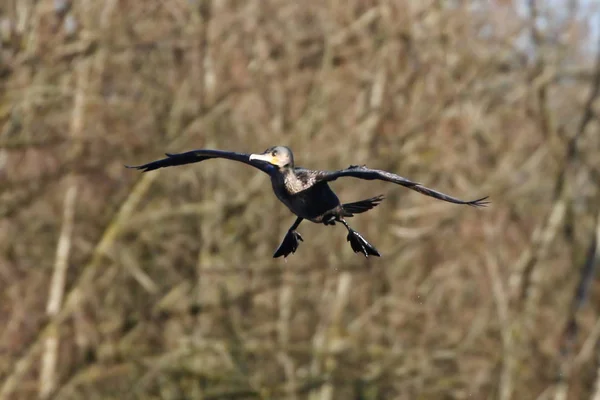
(48, 373)
(525, 276)
(78, 292)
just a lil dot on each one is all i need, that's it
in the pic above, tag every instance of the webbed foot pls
(289, 245)
(360, 245)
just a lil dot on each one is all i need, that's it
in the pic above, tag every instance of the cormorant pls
(306, 192)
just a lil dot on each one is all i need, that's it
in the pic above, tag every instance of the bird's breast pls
(309, 203)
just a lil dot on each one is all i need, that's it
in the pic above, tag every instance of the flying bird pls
(307, 192)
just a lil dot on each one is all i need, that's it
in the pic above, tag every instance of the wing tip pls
(143, 168)
(482, 202)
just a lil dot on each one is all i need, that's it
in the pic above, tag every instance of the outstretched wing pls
(362, 172)
(195, 156)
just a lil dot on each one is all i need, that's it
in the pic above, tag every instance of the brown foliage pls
(116, 284)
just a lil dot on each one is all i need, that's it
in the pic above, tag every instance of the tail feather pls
(361, 206)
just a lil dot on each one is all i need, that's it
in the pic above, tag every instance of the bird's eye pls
(274, 153)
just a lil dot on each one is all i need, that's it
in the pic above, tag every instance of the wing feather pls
(363, 172)
(194, 156)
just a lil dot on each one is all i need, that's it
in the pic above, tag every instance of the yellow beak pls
(264, 157)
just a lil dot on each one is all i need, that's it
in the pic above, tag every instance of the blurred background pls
(120, 285)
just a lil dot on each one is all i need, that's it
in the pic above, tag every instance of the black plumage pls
(307, 193)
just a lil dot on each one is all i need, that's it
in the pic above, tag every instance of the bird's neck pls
(287, 170)
(288, 181)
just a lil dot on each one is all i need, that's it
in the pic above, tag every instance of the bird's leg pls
(359, 243)
(290, 242)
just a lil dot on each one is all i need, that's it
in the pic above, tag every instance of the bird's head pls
(279, 156)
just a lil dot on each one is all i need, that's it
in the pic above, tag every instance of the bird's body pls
(306, 192)
(296, 189)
